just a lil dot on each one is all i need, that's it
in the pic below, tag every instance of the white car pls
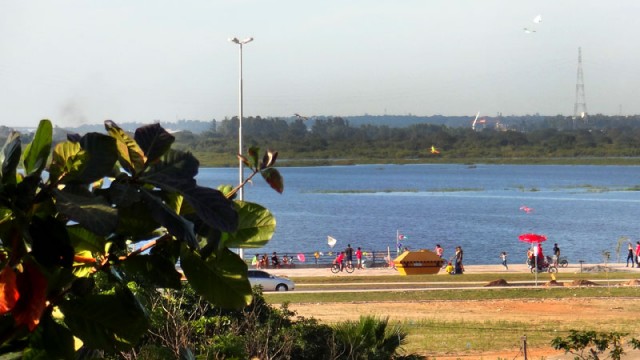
(270, 282)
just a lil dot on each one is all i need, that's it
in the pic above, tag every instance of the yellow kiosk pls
(418, 262)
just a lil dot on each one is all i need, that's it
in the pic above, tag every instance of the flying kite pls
(526, 209)
(331, 241)
(537, 19)
(529, 31)
(434, 150)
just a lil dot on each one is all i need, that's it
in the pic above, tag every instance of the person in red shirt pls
(340, 260)
(637, 253)
(359, 257)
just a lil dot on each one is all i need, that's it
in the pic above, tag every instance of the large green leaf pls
(154, 141)
(221, 278)
(84, 240)
(37, 152)
(154, 268)
(256, 227)
(50, 242)
(137, 223)
(130, 155)
(175, 224)
(114, 320)
(11, 153)
(50, 340)
(92, 212)
(67, 158)
(175, 166)
(102, 155)
(212, 207)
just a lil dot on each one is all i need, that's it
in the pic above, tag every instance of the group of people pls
(275, 262)
(345, 257)
(633, 254)
(536, 258)
(454, 265)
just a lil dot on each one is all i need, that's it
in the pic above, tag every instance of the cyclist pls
(340, 260)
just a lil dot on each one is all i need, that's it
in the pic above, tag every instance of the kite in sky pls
(537, 19)
(528, 31)
(331, 241)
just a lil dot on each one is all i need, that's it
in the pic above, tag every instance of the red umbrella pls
(532, 238)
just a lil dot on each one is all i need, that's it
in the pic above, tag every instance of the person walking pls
(637, 253)
(630, 254)
(503, 256)
(556, 255)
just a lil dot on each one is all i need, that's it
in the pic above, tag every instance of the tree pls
(67, 269)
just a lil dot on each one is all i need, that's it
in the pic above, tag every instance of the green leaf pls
(273, 178)
(102, 154)
(257, 226)
(175, 167)
(254, 154)
(130, 155)
(11, 153)
(50, 340)
(137, 222)
(109, 321)
(67, 157)
(221, 279)
(212, 207)
(37, 152)
(84, 240)
(92, 212)
(154, 141)
(175, 224)
(156, 269)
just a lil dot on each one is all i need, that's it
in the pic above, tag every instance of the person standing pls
(348, 253)
(275, 262)
(459, 268)
(439, 250)
(556, 255)
(316, 255)
(630, 255)
(637, 253)
(503, 256)
(359, 257)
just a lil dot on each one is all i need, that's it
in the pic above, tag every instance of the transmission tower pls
(580, 107)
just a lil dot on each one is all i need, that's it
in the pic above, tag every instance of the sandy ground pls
(596, 311)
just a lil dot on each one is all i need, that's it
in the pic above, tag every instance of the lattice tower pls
(580, 106)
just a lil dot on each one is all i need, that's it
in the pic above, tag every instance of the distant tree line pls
(334, 139)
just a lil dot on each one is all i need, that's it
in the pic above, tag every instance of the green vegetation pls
(333, 141)
(68, 268)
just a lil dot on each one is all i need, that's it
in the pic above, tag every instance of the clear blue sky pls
(86, 61)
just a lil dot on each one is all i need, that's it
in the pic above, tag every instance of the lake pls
(585, 209)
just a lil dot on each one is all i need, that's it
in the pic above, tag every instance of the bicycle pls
(335, 268)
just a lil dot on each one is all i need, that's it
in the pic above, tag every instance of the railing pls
(370, 259)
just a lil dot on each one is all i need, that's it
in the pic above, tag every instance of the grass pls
(454, 294)
(452, 336)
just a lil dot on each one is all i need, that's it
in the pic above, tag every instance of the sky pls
(85, 61)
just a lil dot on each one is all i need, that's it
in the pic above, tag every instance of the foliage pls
(369, 338)
(592, 344)
(70, 217)
(335, 139)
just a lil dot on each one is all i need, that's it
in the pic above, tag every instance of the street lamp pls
(240, 165)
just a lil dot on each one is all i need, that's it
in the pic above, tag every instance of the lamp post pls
(240, 165)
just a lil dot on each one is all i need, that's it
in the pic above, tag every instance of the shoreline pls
(469, 269)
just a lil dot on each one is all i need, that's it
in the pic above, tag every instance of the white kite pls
(529, 31)
(331, 241)
(537, 19)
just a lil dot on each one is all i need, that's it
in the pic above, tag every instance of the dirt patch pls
(553, 283)
(582, 283)
(634, 282)
(499, 282)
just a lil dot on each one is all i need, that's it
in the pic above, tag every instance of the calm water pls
(585, 209)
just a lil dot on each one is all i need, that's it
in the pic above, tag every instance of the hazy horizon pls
(78, 62)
